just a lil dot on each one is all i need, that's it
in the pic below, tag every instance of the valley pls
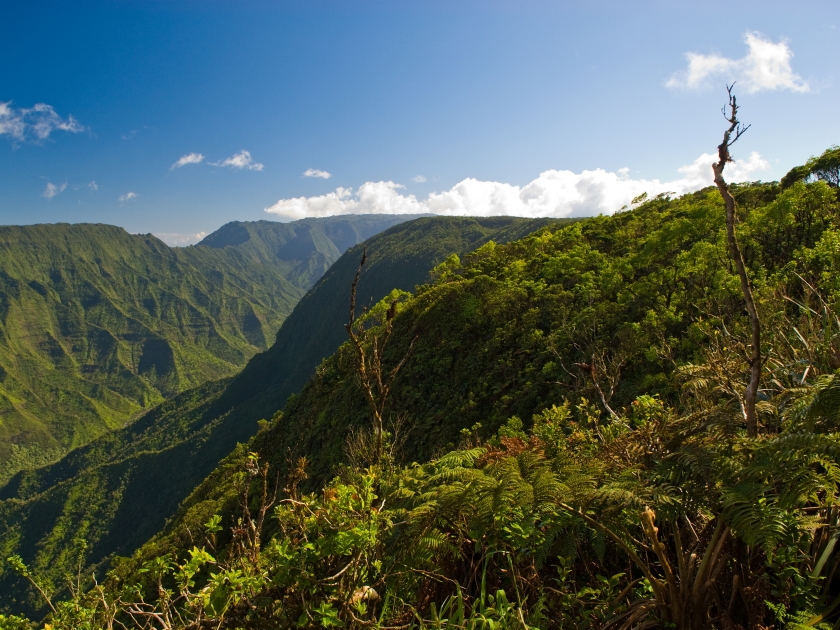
(120, 489)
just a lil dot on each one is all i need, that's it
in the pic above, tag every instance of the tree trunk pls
(751, 394)
(755, 362)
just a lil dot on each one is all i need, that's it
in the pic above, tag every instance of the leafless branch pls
(754, 358)
(369, 346)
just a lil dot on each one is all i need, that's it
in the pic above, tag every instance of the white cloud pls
(35, 123)
(52, 190)
(11, 122)
(135, 132)
(127, 197)
(698, 174)
(175, 239)
(190, 158)
(765, 67)
(418, 179)
(314, 172)
(553, 194)
(240, 160)
(89, 185)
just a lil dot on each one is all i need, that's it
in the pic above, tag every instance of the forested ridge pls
(301, 250)
(563, 444)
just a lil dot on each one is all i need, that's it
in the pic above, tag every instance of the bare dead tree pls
(248, 531)
(605, 364)
(370, 347)
(591, 370)
(754, 358)
(360, 442)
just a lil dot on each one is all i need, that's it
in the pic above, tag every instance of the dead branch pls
(754, 359)
(370, 350)
(591, 370)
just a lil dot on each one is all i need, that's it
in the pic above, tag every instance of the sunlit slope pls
(119, 490)
(97, 324)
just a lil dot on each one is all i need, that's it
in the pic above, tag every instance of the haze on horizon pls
(175, 118)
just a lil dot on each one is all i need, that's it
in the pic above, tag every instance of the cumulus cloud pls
(189, 158)
(93, 186)
(314, 172)
(418, 179)
(240, 161)
(34, 124)
(127, 197)
(766, 66)
(52, 190)
(175, 239)
(553, 194)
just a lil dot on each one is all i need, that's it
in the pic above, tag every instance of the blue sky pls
(455, 107)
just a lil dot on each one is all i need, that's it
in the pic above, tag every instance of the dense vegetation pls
(563, 445)
(117, 491)
(98, 325)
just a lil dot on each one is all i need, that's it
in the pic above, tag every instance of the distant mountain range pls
(301, 250)
(98, 325)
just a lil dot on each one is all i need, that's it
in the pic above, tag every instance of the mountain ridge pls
(302, 249)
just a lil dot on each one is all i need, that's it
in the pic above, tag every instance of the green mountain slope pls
(97, 324)
(585, 380)
(117, 491)
(399, 258)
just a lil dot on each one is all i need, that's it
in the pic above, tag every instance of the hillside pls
(572, 399)
(400, 258)
(98, 325)
(118, 491)
(499, 335)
